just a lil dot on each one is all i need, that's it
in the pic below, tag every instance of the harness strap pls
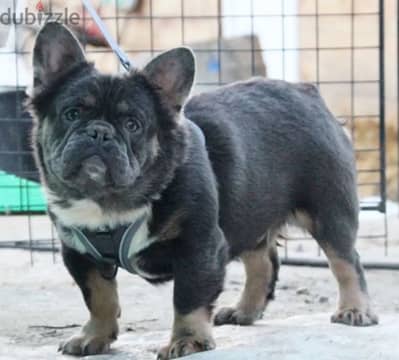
(117, 247)
(108, 272)
(102, 245)
(125, 245)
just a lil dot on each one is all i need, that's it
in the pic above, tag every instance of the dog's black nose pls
(100, 131)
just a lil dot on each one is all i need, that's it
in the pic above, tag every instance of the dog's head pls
(98, 136)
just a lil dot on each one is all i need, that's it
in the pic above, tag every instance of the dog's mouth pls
(95, 169)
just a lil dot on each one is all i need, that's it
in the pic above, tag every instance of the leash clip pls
(123, 58)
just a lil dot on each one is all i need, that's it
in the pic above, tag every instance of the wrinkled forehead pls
(116, 94)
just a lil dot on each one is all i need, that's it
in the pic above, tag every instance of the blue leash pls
(123, 58)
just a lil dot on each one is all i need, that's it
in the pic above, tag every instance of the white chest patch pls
(88, 214)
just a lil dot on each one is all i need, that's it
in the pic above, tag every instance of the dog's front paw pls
(95, 338)
(355, 317)
(185, 346)
(235, 316)
(81, 345)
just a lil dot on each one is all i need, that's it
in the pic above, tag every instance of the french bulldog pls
(137, 176)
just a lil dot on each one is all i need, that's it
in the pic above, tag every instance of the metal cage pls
(339, 46)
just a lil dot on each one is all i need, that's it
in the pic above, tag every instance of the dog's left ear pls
(56, 50)
(173, 72)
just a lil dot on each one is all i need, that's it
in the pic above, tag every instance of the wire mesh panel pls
(337, 45)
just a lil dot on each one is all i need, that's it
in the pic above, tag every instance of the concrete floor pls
(35, 301)
(295, 338)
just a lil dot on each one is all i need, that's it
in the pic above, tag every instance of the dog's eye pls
(72, 114)
(132, 125)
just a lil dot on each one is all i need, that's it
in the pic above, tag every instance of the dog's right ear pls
(56, 50)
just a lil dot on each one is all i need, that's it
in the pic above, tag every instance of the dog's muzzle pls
(94, 158)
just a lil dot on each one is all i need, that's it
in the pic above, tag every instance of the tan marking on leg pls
(350, 293)
(198, 323)
(104, 304)
(353, 301)
(259, 271)
(191, 333)
(102, 328)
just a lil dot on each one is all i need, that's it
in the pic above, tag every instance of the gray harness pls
(115, 247)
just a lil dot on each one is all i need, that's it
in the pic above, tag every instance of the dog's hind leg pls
(101, 298)
(261, 268)
(354, 303)
(335, 231)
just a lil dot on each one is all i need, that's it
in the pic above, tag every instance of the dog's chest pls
(83, 227)
(88, 214)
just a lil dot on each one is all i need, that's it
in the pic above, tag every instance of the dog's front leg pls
(199, 271)
(191, 333)
(101, 298)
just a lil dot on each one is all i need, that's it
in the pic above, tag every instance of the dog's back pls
(275, 149)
